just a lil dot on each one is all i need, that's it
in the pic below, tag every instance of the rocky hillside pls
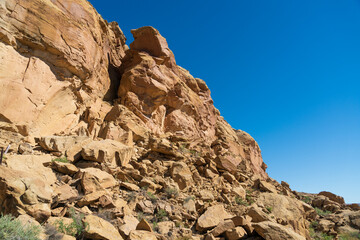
(109, 141)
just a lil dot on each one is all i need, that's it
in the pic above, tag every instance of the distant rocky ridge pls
(131, 140)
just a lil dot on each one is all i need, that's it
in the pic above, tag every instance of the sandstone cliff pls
(92, 123)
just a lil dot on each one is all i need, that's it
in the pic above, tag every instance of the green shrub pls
(306, 199)
(350, 236)
(76, 228)
(12, 229)
(171, 192)
(269, 209)
(152, 197)
(62, 159)
(240, 201)
(160, 215)
(321, 212)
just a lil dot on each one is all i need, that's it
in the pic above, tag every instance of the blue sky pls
(285, 71)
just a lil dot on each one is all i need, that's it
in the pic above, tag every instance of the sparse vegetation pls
(161, 215)
(131, 197)
(152, 197)
(306, 199)
(321, 212)
(61, 159)
(319, 235)
(350, 236)
(189, 198)
(269, 209)
(76, 228)
(240, 201)
(13, 229)
(171, 192)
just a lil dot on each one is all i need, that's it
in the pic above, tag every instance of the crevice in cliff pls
(115, 78)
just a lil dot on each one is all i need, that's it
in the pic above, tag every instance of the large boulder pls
(274, 231)
(100, 229)
(108, 151)
(212, 217)
(24, 192)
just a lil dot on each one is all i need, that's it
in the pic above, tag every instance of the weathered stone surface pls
(100, 229)
(60, 143)
(130, 224)
(22, 192)
(65, 168)
(144, 225)
(141, 235)
(93, 179)
(181, 173)
(108, 151)
(212, 217)
(273, 231)
(235, 233)
(333, 197)
(222, 227)
(33, 164)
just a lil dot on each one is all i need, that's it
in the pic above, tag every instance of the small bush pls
(240, 201)
(350, 236)
(306, 199)
(269, 209)
(171, 192)
(76, 228)
(131, 197)
(12, 229)
(189, 198)
(62, 159)
(321, 212)
(161, 215)
(152, 197)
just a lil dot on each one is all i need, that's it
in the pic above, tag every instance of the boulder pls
(222, 227)
(100, 229)
(144, 225)
(274, 231)
(93, 179)
(181, 173)
(33, 164)
(108, 151)
(235, 233)
(130, 224)
(141, 235)
(212, 217)
(60, 143)
(23, 192)
(65, 168)
(333, 197)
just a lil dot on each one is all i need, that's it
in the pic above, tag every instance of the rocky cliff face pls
(120, 120)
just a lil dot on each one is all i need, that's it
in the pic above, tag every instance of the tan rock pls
(141, 235)
(100, 229)
(22, 192)
(257, 215)
(94, 179)
(165, 227)
(130, 224)
(189, 205)
(60, 143)
(181, 173)
(144, 225)
(130, 186)
(108, 151)
(65, 193)
(206, 195)
(65, 168)
(235, 233)
(222, 227)
(333, 197)
(212, 217)
(91, 198)
(273, 231)
(239, 191)
(33, 164)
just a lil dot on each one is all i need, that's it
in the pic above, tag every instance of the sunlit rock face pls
(66, 71)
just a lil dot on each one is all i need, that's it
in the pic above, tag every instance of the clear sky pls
(285, 71)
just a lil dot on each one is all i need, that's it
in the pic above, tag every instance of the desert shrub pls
(306, 199)
(240, 201)
(189, 198)
(12, 229)
(152, 197)
(171, 192)
(160, 215)
(62, 159)
(269, 209)
(321, 212)
(76, 228)
(350, 236)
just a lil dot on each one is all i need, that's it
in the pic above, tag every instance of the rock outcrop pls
(123, 143)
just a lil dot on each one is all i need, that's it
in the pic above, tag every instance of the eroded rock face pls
(37, 42)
